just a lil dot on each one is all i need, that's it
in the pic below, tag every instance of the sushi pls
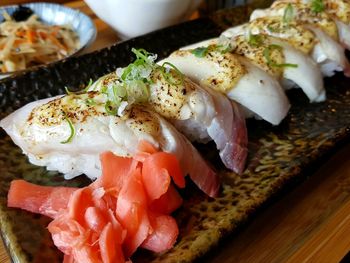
(335, 12)
(282, 61)
(310, 33)
(68, 134)
(252, 88)
(201, 114)
(279, 59)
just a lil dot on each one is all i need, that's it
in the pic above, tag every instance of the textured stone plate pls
(278, 156)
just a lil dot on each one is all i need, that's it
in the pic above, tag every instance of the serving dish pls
(279, 156)
(55, 14)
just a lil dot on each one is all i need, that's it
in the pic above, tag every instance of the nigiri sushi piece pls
(201, 114)
(243, 82)
(338, 10)
(299, 11)
(68, 134)
(280, 60)
(310, 39)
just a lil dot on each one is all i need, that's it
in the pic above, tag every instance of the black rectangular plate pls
(277, 155)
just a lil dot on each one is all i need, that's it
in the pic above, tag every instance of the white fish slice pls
(328, 53)
(305, 75)
(255, 90)
(198, 113)
(338, 10)
(40, 130)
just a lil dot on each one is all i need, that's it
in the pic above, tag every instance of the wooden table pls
(309, 224)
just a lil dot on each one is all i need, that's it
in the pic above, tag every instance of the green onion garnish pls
(272, 29)
(109, 108)
(104, 89)
(200, 52)
(168, 76)
(68, 91)
(79, 91)
(138, 91)
(144, 63)
(288, 14)
(255, 40)
(90, 102)
(127, 71)
(317, 6)
(141, 54)
(267, 55)
(112, 96)
(88, 86)
(120, 91)
(115, 98)
(286, 65)
(72, 131)
(133, 83)
(223, 49)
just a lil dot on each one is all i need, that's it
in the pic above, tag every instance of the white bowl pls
(132, 18)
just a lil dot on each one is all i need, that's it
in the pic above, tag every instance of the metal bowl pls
(55, 14)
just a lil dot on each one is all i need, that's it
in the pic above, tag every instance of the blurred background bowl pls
(55, 14)
(130, 18)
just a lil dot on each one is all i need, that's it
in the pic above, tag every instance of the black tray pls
(278, 156)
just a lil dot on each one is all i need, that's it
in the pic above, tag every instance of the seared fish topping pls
(166, 98)
(231, 68)
(306, 14)
(295, 33)
(339, 9)
(141, 120)
(255, 49)
(73, 106)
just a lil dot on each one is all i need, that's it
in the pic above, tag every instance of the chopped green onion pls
(115, 96)
(104, 89)
(90, 102)
(288, 14)
(141, 54)
(133, 83)
(137, 91)
(79, 91)
(224, 45)
(168, 75)
(88, 86)
(200, 52)
(272, 29)
(317, 6)
(112, 95)
(255, 40)
(72, 131)
(274, 46)
(120, 91)
(285, 65)
(267, 55)
(68, 91)
(116, 93)
(126, 72)
(143, 64)
(224, 48)
(109, 108)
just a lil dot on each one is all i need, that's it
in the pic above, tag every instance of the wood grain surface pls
(309, 224)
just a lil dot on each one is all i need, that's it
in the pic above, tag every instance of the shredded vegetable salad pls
(30, 43)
